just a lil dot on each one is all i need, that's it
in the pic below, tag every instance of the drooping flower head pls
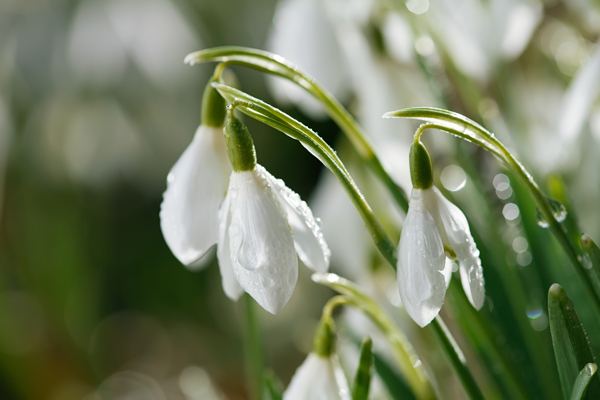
(433, 230)
(320, 376)
(195, 187)
(260, 226)
(263, 225)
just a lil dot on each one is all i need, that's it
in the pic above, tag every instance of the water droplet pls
(590, 369)
(559, 211)
(586, 261)
(534, 313)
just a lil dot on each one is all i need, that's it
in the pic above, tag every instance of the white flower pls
(435, 226)
(318, 378)
(195, 189)
(259, 226)
(263, 224)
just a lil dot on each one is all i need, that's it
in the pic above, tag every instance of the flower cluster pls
(260, 226)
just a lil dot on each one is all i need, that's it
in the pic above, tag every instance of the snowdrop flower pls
(262, 226)
(196, 186)
(320, 376)
(434, 226)
(259, 225)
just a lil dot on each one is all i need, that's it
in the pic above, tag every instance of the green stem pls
(253, 348)
(284, 123)
(273, 117)
(276, 65)
(455, 357)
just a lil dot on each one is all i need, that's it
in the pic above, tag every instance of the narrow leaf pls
(362, 380)
(453, 123)
(591, 261)
(395, 385)
(583, 380)
(272, 386)
(571, 347)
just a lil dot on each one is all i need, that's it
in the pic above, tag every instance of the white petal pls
(231, 287)
(195, 188)
(421, 265)
(459, 235)
(308, 238)
(318, 378)
(261, 246)
(471, 276)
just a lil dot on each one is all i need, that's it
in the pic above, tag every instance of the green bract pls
(421, 173)
(240, 146)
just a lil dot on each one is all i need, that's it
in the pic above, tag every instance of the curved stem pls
(332, 304)
(277, 65)
(539, 198)
(284, 123)
(275, 118)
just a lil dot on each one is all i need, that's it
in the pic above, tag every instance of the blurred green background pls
(96, 105)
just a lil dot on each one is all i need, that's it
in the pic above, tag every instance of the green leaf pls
(583, 380)
(571, 347)
(395, 385)
(362, 380)
(591, 261)
(272, 386)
